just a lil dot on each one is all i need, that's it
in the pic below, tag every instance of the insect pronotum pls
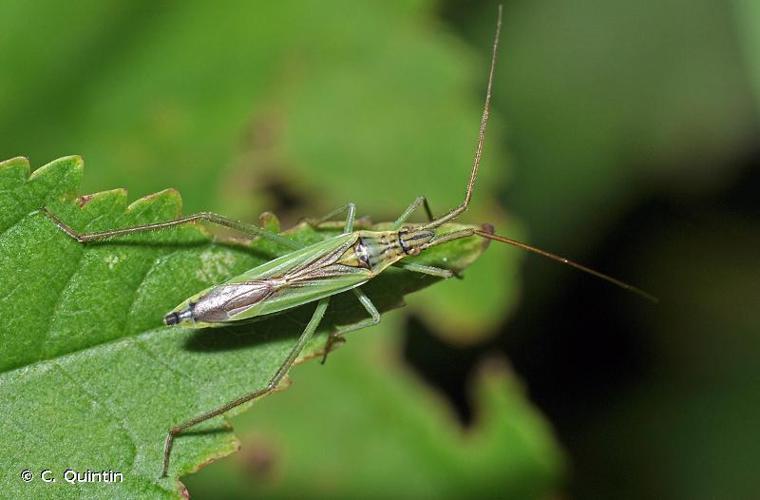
(316, 272)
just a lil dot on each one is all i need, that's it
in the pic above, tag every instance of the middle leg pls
(337, 334)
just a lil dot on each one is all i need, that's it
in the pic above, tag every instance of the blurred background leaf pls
(746, 14)
(632, 132)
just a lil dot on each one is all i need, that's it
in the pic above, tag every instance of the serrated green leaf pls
(89, 377)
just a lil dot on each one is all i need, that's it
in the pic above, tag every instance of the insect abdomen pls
(302, 276)
(223, 302)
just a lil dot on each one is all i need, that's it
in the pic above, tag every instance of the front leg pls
(349, 225)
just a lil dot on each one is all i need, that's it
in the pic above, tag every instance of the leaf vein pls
(156, 261)
(156, 357)
(40, 438)
(59, 300)
(107, 407)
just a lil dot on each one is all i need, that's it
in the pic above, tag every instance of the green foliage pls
(90, 377)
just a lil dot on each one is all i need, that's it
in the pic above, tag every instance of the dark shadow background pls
(649, 401)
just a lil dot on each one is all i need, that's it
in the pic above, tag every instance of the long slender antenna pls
(481, 138)
(544, 253)
(471, 184)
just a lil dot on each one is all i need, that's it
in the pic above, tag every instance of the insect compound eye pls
(401, 234)
(412, 242)
(362, 252)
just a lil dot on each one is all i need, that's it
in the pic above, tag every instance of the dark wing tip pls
(487, 228)
(171, 319)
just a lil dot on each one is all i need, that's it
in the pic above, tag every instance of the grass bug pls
(314, 273)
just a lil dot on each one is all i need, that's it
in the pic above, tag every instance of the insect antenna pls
(455, 212)
(564, 260)
(481, 139)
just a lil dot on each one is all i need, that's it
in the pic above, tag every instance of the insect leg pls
(337, 334)
(429, 270)
(308, 332)
(348, 207)
(211, 217)
(420, 200)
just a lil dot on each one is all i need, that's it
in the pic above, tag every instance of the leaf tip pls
(17, 168)
(231, 447)
(66, 171)
(169, 197)
(269, 221)
(17, 161)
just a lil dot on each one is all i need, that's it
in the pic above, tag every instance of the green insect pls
(316, 272)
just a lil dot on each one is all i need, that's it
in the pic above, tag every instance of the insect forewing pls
(294, 279)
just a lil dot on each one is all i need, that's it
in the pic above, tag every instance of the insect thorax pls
(376, 250)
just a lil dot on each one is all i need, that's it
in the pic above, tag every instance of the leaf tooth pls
(72, 163)
(114, 199)
(116, 196)
(59, 179)
(19, 162)
(169, 198)
(270, 222)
